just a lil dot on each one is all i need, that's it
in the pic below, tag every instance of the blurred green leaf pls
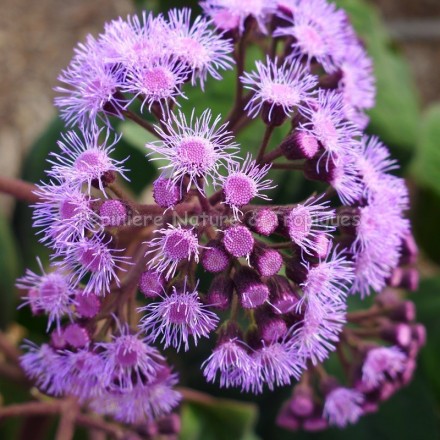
(222, 420)
(426, 164)
(9, 269)
(396, 115)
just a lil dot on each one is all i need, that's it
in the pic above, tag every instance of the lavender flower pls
(244, 182)
(343, 406)
(86, 160)
(175, 245)
(198, 46)
(196, 148)
(280, 89)
(51, 293)
(178, 317)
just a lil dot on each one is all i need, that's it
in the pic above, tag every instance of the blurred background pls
(403, 36)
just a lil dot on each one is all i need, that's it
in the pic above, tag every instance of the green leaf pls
(426, 164)
(396, 116)
(221, 420)
(9, 269)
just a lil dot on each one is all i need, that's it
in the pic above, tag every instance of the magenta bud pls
(238, 241)
(214, 258)
(408, 372)
(299, 145)
(271, 328)
(409, 251)
(169, 424)
(322, 245)
(57, 339)
(396, 277)
(251, 290)
(322, 169)
(387, 389)
(166, 193)
(315, 424)
(399, 334)
(266, 261)
(296, 271)
(113, 213)
(76, 336)
(263, 222)
(419, 334)
(220, 292)
(282, 295)
(410, 279)
(287, 420)
(404, 312)
(87, 306)
(273, 114)
(301, 404)
(151, 283)
(370, 407)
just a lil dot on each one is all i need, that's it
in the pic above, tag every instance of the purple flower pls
(51, 293)
(151, 283)
(86, 160)
(41, 364)
(176, 244)
(158, 80)
(178, 317)
(198, 46)
(277, 364)
(238, 241)
(89, 89)
(241, 10)
(143, 402)
(81, 372)
(357, 84)
(244, 182)
(305, 222)
(95, 257)
(134, 41)
(129, 360)
(166, 193)
(233, 364)
(284, 87)
(326, 116)
(319, 30)
(374, 162)
(64, 213)
(195, 148)
(380, 363)
(264, 222)
(113, 213)
(343, 406)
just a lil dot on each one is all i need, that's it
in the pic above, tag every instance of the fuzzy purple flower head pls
(221, 249)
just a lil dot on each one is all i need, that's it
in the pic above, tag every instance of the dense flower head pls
(380, 363)
(245, 182)
(198, 46)
(343, 406)
(64, 213)
(319, 30)
(196, 246)
(306, 221)
(86, 159)
(177, 318)
(51, 293)
(238, 11)
(284, 87)
(196, 148)
(94, 257)
(176, 244)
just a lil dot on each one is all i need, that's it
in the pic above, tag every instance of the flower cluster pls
(279, 274)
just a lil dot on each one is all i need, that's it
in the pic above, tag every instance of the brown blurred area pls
(37, 37)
